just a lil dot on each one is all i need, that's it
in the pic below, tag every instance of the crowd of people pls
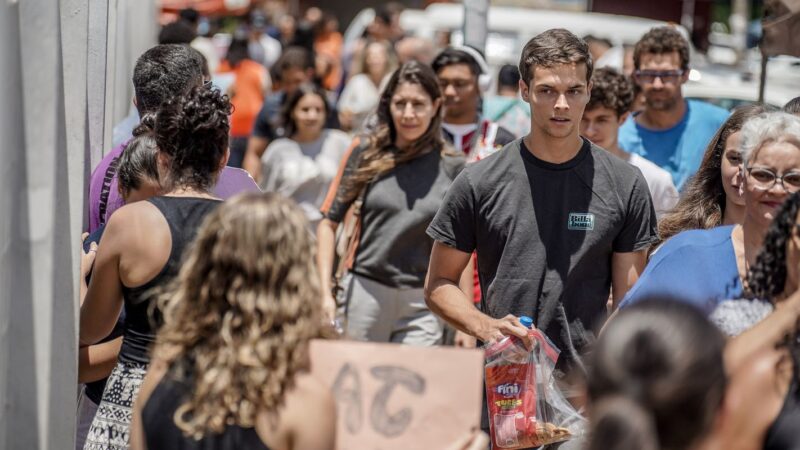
(392, 191)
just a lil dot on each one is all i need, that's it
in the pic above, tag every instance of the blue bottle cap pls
(526, 321)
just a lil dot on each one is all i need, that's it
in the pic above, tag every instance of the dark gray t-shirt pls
(545, 233)
(398, 207)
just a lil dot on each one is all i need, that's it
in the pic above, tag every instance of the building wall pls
(58, 92)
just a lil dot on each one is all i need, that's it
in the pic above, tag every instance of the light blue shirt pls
(678, 150)
(696, 267)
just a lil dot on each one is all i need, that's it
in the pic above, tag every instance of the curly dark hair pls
(702, 204)
(767, 277)
(192, 130)
(163, 71)
(662, 40)
(612, 90)
(552, 47)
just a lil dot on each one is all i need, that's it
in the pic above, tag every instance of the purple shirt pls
(104, 196)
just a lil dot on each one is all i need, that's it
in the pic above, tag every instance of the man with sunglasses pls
(671, 131)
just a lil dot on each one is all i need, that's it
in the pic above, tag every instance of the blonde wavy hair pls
(238, 318)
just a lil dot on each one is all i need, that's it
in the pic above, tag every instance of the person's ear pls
(623, 118)
(135, 102)
(524, 92)
(685, 76)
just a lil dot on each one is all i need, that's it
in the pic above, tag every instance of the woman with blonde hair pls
(362, 92)
(230, 359)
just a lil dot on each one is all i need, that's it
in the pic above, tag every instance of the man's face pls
(292, 78)
(601, 125)
(460, 90)
(660, 76)
(558, 96)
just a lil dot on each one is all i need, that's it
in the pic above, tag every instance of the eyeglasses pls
(666, 76)
(207, 84)
(765, 179)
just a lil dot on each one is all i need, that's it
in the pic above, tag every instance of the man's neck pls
(618, 152)
(662, 119)
(463, 119)
(553, 150)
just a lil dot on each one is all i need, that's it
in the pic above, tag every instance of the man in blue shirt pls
(671, 131)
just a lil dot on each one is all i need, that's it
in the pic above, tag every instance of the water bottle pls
(511, 348)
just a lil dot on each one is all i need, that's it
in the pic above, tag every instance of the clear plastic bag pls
(526, 408)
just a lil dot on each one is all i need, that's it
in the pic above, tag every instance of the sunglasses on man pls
(666, 76)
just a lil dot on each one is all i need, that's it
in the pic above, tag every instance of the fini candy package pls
(526, 408)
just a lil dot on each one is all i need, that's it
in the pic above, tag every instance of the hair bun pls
(620, 423)
(146, 125)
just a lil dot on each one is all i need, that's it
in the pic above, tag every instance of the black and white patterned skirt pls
(110, 429)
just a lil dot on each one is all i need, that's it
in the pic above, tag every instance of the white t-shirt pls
(458, 132)
(659, 181)
(303, 171)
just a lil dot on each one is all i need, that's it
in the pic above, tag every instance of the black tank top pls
(784, 433)
(184, 216)
(158, 421)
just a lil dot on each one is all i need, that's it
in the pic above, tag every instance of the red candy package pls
(526, 409)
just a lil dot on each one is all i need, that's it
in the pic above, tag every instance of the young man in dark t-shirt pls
(555, 220)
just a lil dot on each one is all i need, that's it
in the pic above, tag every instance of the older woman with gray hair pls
(704, 267)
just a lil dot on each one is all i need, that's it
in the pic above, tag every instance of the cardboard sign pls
(392, 396)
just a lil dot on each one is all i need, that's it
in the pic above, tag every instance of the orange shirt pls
(248, 95)
(330, 45)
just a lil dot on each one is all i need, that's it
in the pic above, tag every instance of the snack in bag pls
(526, 408)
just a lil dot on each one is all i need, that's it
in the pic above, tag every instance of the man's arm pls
(625, 270)
(252, 156)
(448, 301)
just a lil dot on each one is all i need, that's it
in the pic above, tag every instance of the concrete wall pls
(64, 81)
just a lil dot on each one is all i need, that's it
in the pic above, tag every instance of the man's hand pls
(493, 330)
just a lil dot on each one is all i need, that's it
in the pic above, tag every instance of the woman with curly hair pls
(401, 173)
(230, 361)
(142, 246)
(711, 197)
(704, 267)
(765, 326)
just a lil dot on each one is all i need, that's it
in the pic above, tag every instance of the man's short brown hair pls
(662, 40)
(612, 90)
(554, 47)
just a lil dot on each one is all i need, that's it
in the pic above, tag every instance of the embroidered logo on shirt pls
(580, 221)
